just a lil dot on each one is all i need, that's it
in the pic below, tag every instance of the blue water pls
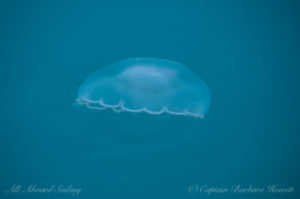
(246, 51)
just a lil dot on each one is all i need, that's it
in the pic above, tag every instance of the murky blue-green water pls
(246, 51)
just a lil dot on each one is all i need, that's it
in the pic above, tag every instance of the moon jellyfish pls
(150, 85)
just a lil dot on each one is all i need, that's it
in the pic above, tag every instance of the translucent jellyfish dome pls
(150, 85)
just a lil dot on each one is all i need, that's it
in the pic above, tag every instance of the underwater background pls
(247, 52)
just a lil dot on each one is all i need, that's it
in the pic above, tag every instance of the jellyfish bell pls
(150, 85)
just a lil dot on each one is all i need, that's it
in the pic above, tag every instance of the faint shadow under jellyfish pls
(141, 136)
